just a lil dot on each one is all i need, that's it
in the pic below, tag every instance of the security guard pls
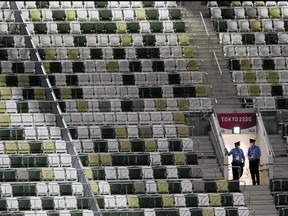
(254, 153)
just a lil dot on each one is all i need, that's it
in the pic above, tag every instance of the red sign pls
(230, 120)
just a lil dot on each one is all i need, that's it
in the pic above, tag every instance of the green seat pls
(188, 52)
(36, 146)
(6, 94)
(63, 28)
(156, 27)
(160, 104)
(23, 147)
(88, 172)
(236, 3)
(201, 91)
(47, 203)
(40, 28)
(8, 41)
(106, 159)
(93, 159)
(254, 90)
(215, 199)
(140, 14)
(191, 200)
(35, 15)
(133, 27)
(274, 12)
(162, 186)
(101, 4)
(105, 14)
(23, 80)
(94, 187)
(150, 145)
(183, 131)
(132, 201)
(58, 15)
(11, 147)
(255, 25)
(24, 204)
(50, 54)
(17, 133)
(125, 145)
(112, 66)
(110, 27)
(97, 27)
(179, 158)
(42, 4)
(192, 65)
(82, 106)
(152, 14)
(121, 27)
(39, 93)
(222, 186)
(5, 121)
(47, 174)
(96, 53)
(2, 106)
(249, 77)
(80, 41)
(3, 204)
(208, 211)
(148, 3)
(35, 175)
(272, 77)
(178, 118)
(175, 14)
(120, 132)
(245, 64)
(259, 3)
(179, 26)
(65, 93)
(70, 15)
(126, 40)
(183, 104)
(3, 81)
(184, 39)
(167, 201)
(73, 54)
(88, 27)
(48, 146)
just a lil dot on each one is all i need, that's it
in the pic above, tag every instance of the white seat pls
(144, 27)
(110, 173)
(243, 211)
(156, 117)
(109, 118)
(259, 38)
(55, 133)
(56, 40)
(158, 131)
(52, 28)
(151, 187)
(121, 118)
(267, 25)
(147, 173)
(114, 40)
(59, 203)
(93, 15)
(132, 131)
(168, 26)
(107, 53)
(278, 25)
(165, 52)
(75, 27)
(70, 174)
(172, 39)
(91, 41)
(262, 13)
(71, 202)
(130, 53)
(102, 40)
(216, 13)
(123, 173)
(59, 174)
(6, 190)
(82, 15)
(12, 204)
(172, 172)
(155, 158)
(163, 14)
(35, 203)
(95, 132)
(128, 14)
(41, 189)
(104, 188)
(158, 4)
(232, 26)
(77, 188)
(203, 199)
(170, 131)
(136, 4)
(112, 145)
(84, 53)
(47, 15)
(179, 200)
(117, 14)
(53, 189)
(238, 199)
(121, 201)
(185, 212)
(186, 186)
(113, 4)
(239, 12)
(109, 202)
(30, 133)
(77, 4)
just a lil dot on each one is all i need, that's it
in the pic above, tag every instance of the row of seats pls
(255, 63)
(88, 4)
(256, 90)
(46, 213)
(116, 14)
(145, 78)
(45, 203)
(33, 147)
(50, 160)
(275, 12)
(171, 200)
(226, 4)
(135, 105)
(129, 91)
(265, 103)
(10, 105)
(116, 131)
(149, 172)
(119, 118)
(181, 186)
(254, 25)
(257, 38)
(63, 53)
(41, 189)
(99, 66)
(127, 159)
(30, 133)
(133, 145)
(75, 27)
(275, 76)
(231, 51)
(34, 174)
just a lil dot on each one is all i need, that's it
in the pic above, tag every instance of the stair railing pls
(220, 73)
(206, 30)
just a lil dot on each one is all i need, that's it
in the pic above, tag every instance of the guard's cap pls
(237, 143)
(252, 140)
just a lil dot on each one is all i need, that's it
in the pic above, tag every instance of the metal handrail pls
(217, 62)
(205, 27)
